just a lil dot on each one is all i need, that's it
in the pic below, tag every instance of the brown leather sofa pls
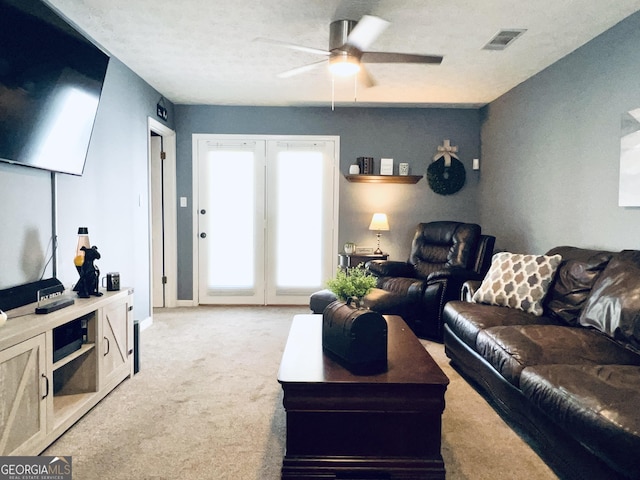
(568, 381)
(443, 256)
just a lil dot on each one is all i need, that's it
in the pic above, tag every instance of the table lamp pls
(379, 223)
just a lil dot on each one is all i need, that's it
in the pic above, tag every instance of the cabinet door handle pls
(108, 347)
(46, 391)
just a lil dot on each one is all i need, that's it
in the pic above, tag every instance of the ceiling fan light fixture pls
(344, 65)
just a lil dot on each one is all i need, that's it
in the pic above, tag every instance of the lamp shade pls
(379, 222)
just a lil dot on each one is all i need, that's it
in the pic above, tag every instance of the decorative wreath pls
(446, 180)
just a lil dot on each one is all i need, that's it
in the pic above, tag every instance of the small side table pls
(349, 261)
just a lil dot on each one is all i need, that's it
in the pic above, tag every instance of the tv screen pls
(50, 84)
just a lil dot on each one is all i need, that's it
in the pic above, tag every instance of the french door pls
(266, 212)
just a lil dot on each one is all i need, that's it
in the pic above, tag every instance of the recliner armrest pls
(468, 289)
(455, 273)
(390, 268)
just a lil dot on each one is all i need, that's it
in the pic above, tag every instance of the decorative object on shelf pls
(366, 165)
(354, 169)
(364, 250)
(83, 241)
(403, 169)
(354, 283)
(379, 223)
(89, 274)
(111, 281)
(386, 166)
(349, 248)
(446, 174)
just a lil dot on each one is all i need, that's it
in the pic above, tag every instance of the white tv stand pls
(40, 399)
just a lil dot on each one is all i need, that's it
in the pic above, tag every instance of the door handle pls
(203, 235)
(46, 392)
(108, 347)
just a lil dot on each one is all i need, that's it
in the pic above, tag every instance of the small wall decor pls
(629, 193)
(446, 174)
(403, 169)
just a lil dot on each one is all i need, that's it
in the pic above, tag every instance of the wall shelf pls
(363, 178)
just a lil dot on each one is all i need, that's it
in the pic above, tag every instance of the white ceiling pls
(202, 51)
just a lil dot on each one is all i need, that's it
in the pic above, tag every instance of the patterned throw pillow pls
(518, 281)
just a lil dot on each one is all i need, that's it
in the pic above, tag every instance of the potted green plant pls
(354, 282)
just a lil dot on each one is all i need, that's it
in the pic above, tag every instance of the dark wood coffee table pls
(341, 425)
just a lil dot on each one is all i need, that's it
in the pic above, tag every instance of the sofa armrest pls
(390, 268)
(468, 289)
(454, 273)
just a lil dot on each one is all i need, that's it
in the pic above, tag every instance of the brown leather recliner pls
(443, 256)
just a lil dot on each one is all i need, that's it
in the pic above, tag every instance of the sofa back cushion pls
(518, 280)
(576, 275)
(440, 245)
(613, 307)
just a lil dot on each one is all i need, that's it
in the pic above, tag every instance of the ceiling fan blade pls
(292, 46)
(366, 31)
(389, 57)
(365, 78)
(302, 69)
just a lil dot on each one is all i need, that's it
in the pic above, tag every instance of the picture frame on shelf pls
(386, 166)
(364, 250)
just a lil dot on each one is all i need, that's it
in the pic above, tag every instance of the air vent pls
(503, 39)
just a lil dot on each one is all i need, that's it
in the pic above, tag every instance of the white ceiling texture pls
(204, 51)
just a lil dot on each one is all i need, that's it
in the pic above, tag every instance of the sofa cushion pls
(613, 307)
(518, 281)
(467, 319)
(596, 404)
(511, 349)
(574, 279)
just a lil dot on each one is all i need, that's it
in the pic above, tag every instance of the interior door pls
(157, 223)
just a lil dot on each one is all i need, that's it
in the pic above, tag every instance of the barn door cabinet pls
(44, 389)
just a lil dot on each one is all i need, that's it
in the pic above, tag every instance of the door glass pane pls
(230, 220)
(299, 219)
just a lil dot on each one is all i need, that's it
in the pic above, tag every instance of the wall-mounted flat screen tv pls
(51, 79)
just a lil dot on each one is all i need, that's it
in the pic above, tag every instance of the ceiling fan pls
(348, 43)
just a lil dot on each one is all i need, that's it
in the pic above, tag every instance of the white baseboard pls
(186, 303)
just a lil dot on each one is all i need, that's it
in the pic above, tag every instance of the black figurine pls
(89, 274)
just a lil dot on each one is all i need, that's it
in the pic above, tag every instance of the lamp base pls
(378, 251)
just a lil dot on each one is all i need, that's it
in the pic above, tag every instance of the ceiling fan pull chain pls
(355, 88)
(333, 93)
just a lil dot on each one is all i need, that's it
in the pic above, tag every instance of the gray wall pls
(111, 198)
(551, 150)
(406, 135)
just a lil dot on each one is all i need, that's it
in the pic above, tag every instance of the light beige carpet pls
(206, 405)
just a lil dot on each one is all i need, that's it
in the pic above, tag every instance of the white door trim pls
(170, 212)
